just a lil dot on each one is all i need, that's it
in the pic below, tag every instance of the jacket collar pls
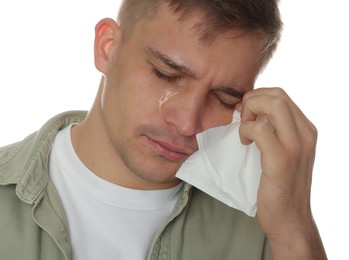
(26, 163)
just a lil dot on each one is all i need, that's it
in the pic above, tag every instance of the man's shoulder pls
(7, 151)
(16, 157)
(8, 156)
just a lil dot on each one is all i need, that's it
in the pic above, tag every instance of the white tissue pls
(224, 168)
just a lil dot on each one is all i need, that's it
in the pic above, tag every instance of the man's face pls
(164, 85)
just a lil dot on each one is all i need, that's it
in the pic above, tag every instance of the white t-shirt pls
(106, 221)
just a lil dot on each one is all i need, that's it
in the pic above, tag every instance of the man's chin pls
(157, 174)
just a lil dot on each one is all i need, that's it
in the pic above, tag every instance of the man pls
(103, 185)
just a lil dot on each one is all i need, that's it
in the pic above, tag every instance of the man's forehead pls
(201, 27)
(203, 23)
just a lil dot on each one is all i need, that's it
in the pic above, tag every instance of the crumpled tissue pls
(224, 168)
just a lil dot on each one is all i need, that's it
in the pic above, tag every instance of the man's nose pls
(184, 110)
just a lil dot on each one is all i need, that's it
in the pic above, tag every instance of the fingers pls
(262, 134)
(286, 139)
(277, 111)
(285, 121)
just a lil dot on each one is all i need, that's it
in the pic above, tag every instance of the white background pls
(46, 67)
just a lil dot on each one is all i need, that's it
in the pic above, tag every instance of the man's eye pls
(163, 76)
(227, 105)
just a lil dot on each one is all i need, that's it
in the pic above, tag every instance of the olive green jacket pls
(33, 225)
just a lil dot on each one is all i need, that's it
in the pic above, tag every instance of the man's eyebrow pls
(232, 92)
(167, 60)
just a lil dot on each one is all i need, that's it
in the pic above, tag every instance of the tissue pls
(224, 168)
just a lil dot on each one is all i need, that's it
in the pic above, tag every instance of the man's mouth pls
(168, 150)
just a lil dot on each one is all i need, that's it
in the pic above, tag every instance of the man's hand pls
(287, 143)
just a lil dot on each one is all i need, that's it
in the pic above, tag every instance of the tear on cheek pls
(165, 97)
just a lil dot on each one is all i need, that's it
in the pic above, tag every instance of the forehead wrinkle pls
(170, 62)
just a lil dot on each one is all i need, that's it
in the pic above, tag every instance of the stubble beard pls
(149, 167)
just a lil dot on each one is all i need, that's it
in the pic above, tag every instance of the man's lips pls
(168, 150)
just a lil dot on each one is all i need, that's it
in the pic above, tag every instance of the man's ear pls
(107, 36)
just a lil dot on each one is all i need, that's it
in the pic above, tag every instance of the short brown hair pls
(261, 16)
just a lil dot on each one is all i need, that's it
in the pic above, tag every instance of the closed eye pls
(164, 76)
(224, 103)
